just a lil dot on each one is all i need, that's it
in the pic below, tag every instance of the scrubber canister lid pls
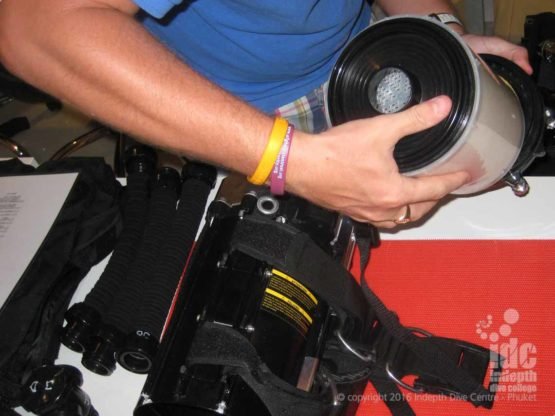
(401, 61)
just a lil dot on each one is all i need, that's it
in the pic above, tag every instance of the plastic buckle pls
(475, 360)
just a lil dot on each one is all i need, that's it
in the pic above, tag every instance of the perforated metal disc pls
(390, 90)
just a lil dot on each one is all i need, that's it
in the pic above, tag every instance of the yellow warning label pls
(291, 300)
(297, 284)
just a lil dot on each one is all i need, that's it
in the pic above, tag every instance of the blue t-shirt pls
(268, 52)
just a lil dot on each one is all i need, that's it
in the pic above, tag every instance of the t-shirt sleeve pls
(157, 8)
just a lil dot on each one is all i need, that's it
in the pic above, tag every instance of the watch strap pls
(446, 18)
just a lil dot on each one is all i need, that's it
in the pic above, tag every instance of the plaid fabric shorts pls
(308, 113)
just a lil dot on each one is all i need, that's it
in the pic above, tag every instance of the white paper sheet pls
(28, 207)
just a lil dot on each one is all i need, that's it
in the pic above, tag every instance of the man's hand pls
(351, 169)
(497, 46)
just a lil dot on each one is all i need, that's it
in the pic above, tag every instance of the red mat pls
(496, 293)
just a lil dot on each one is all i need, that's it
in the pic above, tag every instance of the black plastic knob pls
(54, 390)
(140, 159)
(201, 171)
(169, 178)
(82, 322)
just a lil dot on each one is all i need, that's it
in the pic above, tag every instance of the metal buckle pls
(396, 379)
(366, 358)
(400, 382)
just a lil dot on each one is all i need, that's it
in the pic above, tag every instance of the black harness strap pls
(434, 360)
(296, 254)
(389, 392)
(391, 395)
(426, 350)
(219, 345)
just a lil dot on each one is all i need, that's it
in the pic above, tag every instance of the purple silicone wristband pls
(277, 177)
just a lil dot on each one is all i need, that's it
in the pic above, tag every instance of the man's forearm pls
(101, 60)
(93, 54)
(420, 7)
(416, 6)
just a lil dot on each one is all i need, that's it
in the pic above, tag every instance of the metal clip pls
(396, 379)
(400, 382)
(366, 358)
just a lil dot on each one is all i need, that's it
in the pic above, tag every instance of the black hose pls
(123, 314)
(140, 166)
(83, 319)
(198, 180)
(162, 208)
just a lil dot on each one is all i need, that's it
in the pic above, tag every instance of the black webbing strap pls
(294, 253)
(437, 361)
(392, 396)
(219, 345)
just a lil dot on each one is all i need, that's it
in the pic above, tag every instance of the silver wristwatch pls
(446, 18)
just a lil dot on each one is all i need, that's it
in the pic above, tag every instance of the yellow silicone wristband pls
(266, 164)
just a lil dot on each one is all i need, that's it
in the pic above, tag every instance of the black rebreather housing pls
(245, 336)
